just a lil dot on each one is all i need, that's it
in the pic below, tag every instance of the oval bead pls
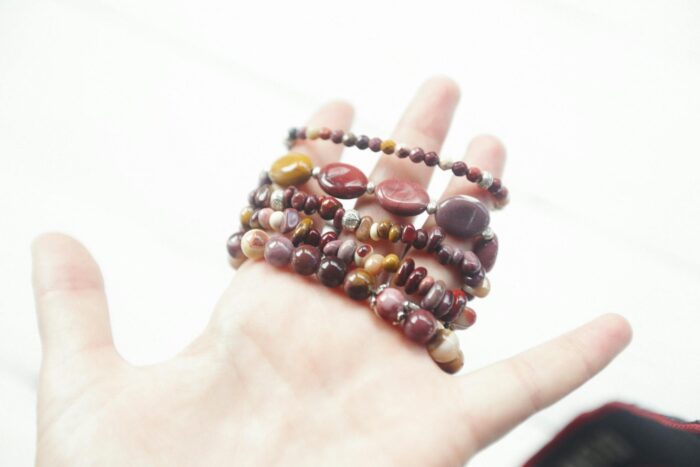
(462, 216)
(444, 347)
(390, 304)
(420, 326)
(401, 197)
(292, 169)
(342, 180)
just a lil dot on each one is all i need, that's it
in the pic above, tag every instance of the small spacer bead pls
(316, 171)
(431, 208)
(388, 146)
(351, 219)
(370, 187)
(487, 234)
(486, 180)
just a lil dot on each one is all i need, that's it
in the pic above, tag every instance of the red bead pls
(327, 207)
(408, 234)
(405, 269)
(298, 200)
(474, 174)
(338, 219)
(421, 239)
(342, 180)
(420, 326)
(325, 238)
(311, 204)
(458, 304)
(431, 159)
(435, 238)
(324, 133)
(288, 195)
(402, 197)
(414, 280)
(459, 168)
(495, 185)
(313, 238)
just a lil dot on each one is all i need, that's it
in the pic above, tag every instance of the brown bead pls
(435, 238)
(459, 168)
(453, 366)
(388, 146)
(306, 259)
(474, 174)
(431, 159)
(420, 326)
(416, 155)
(383, 229)
(391, 262)
(362, 232)
(328, 206)
(246, 214)
(358, 284)
(301, 231)
(425, 285)
(394, 233)
(421, 239)
(298, 200)
(405, 269)
(414, 280)
(324, 133)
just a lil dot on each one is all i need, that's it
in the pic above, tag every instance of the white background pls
(139, 126)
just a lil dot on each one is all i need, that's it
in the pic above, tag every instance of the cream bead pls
(253, 243)
(444, 347)
(484, 289)
(374, 264)
(276, 219)
(374, 232)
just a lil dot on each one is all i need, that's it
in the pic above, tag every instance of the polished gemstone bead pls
(311, 204)
(470, 263)
(313, 132)
(326, 238)
(434, 296)
(313, 237)
(487, 251)
(292, 133)
(324, 133)
(391, 262)
(337, 136)
(251, 197)
(375, 144)
(425, 285)
(390, 304)
(346, 252)
(444, 254)
(342, 180)
(496, 185)
(374, 264)
(246, 214)
(465, 319)
(362, 142)
(458, 304)
(394, 233)
(444, 346)
(457, 257)
(431, 159)
(445, 304)
(402, 151)
(388, 146)
(459, 168)
(301, 231)
(289, 192)
(405, 269)
(362, 252)
(402, 197)
(253, 243)
(474, 174)
(483, 290)
(383, 229)
(420, 326)
(462, 216)
(475, 279)
(414, 280)
(421, 239)
(253, 223)
(290, 220)
(331, 271)
(408, 234)
(278, 251)
(291, 169)
(338, 219)
(416, 155)
(264, 217)
(298, 200)
(453, 366)
(277, 199)
(374, 231)
(233, 245)
(349, 139)
(331, 248)
(327, 207)
(435, 238)
(362, 232)
(305, 259)
(502, 194)
(262, 195)
(358, 284)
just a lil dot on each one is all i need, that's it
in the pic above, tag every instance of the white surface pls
(132, 125)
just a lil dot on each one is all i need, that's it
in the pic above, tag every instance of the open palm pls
(279, 378)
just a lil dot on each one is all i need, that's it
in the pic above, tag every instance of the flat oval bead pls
(305, 260)
(414, 280)
(465, 319)
(342, 180)
(434, 296)
(445, 304)
(475, 279)
(402, 197)
(420, 326)
(253, 243)
(331, 271)
(487, 250)
(458, 304)
(425, 285)
(391, 262)
(346, 251)
(462, 216)
(444, 346)
(358, 284)
(292, 169)
(390, 304)
(278, 251)
(405, 269)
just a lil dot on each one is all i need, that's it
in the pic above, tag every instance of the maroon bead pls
(331, 248)
(457, 257)
(288, 194)
(445, 304)
(459, 168)
(435, 238)
(470, 263)
(305, 259)
(301, 132)
(403, 152)
(390, 304)
(290, 219)
(408, 234)
(495, 185)
(434, 296)
(233, 245)
(458, 304)
(444, 254)
(362, 142)
(363, 251)
(324, 133)
(425, 285)
(278, 251)
(298, 200)
(251, 197)
(462, 216)
(325, 238)
(416, 155)
(420, 326)
(405, 269)
(414, 280)
(474, 174)
(342, 180)
(313, 238)
(402, 197)
(262, 195)
(487, 251)
(475, 279)
(331, 271)
(421, 239)
(327, 207)
(337, 136)
(465, 319)
(338, 219)
(375, 144)
(346, 252)
(311, 204)
(431, 159)
(502, 194)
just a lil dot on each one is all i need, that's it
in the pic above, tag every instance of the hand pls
(279, 378)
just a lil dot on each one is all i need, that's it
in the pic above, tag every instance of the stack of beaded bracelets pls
(426, 310)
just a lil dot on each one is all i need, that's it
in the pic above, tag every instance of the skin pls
(330, 386)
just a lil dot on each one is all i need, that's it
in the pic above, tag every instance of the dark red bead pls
(306, 259)
(470, 263)
(311, 204)
(362, 142)
(342, 180)
(403, 152)
(414, 280)
(298, 200)
(459, 168)
(495, 185)
(337, 136)
(416, 155)
(421, 239)
(435, 238)
(475, 279)
(324, 133)
(313, 238)
(420, 326)
(444, 254)
(288, 194)
(457, 257)
(474, 174)
(390, 304)
(401, 197)
(331, 271)
(501, 194)
(338, 219)
(487, 251)
(408, 234)
(375, 144)
(425, 285)
(328, 206)
(445, 304)
(405, 270)
(431, 159)
(458, 304)
(325, 238)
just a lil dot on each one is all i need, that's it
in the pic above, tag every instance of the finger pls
(498, 397)
(70, 299)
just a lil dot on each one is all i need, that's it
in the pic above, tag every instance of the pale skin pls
(266, 384)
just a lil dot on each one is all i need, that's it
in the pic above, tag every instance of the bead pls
(292, 169)
(457, 257)
(414, 280)
(483, 290)
(416, 155)
(337, 136)
(324, 133)
(278, 251)
(331, 271)
(474, 174)
(246, 214)
(486, 180)
(388, 146)
(253, 222)
(445, 163)
(233, 245)
(327, 207)
(425, 285)
(487, 234)
(391, 262)
(264, 217)
(374, 231)
(445, 304)
(253, 243)
(431, 208)
(311, 204)
(351, 220)
(346, 251)
(306, 259)
(292, 133)
(431, 159)
(313, 237)
(290, 220)
(458, 304)
(362, 232)
(362, 142)
(475, 279)
(277, 200)
(313, 133)
(375, 144)
(401, 197)
(289, 192)
(298, 200)
(459, 168)
(331, 248)
(487, 251)
(502, 194)
(421, 239)
(495, 186)
(338, 219)
(389, 304)
(251, 197)
(453, 366)
(465, 319)
(374, 264)
(462, 216)
(434, 296)
(349, 139)
(301, 231)
(361, 254)
(327, 237)
(470, 263)
(370, 187)
(262, 195)
(420, 326)
(402, 151)
(408, 234)
(444, 346)
(383, 229)
(394, 233)
(444, 254)
(301, 132)
(342, 180)
(358, 284)
(405, 269)
(435, 238)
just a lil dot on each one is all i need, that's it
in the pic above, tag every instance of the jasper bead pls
(408, 234)
(253, 243)
(459, 168)
(405, 269)
(420, 326)
(465, 319)
(435, 238)
(290, 220)
(434, 296)
(453, 366)
(374, 264)
(311, 204)
(401, 197)
(298, 200)
(289, 192)
(431, 159)
(444, 254)
(391, 262)
(475, 279)
(293, 169)
(331, 271)
(444, 346)
(327, 238)
(388, 146)
(421, 239)
(414, 280)
(487, 251)
(458, 304)
(362, 253)
(278, 251)
(362, 232)
(327, 207)
(375, 144)
(346, 252)
(331, 248)
(246, 215)
(342, 180)
(362, 142)
(383, 229)
(337, 136)
(358, 284)
(474, 174)
(482, 290)
(313, 237)
(425, 285)
(306, 259)
(394, 233)
(445, 304)
(470, 263)
(338, 218)
(462, 216)
(262, 195)
(264, 218)
(457, 257)
(390, 304)
(416, 155)
(233, 245)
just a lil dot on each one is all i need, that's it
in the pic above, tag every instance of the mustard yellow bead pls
(374, 264)
(394, 233)
(246, 214)
(391, 262)
(388, 146)
(293, 169)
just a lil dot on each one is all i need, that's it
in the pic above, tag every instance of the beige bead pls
(313, 133)
(374, 264)
(276, 219)
(484, 289)
(444, 346)
(453, 366)
(253, 243)
(374, 232)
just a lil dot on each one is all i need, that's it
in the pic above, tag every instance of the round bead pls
(233, 245)
(375, 144)
(349, 139)
(351, 220)
(253, 243)
(434, 296)
(416, 155)
(486, 180)
(292, 169)
(325, 133)
(462, 216)
(444, 346)
(388, 146)
(313, 132)
(305, 260)
(362, 253)
(405, 269)
(374, 264)
(278, 251)
(431, 159)
(331, 248)
(337, 136)
(420, 326)
(327, 207)
(389, 304)
(474, 174)
(487, 251)
(342, 180)
(391, 262)
(277, 200)
(358, 284)
(298, 200)
(402, 151)
(346, 252)
(362, 142)
(401, 197)
(331, 271)
(459, 168)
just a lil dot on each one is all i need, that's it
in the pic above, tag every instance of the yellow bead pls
(391, 262)
(394, 233)
(374, 264)
(246, 214)
(388, 146)
(293, 169)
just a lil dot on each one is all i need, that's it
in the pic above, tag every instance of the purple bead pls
(233, 245)
(278, 251)
(405, 270)
(337, 136)
(331, 272)
(403, 152)
(414, 280)
(435, 238)
(457, 257)
(416, 155)
(420, 326)
(390, 304)
(305, 260)
(262, 194)
(425, 285)
(470, 263)
(487, 251)
(331, 248)
(290, 220)
(301, 132)
(434, 296)
(402, 197)
(475, 279)
(362, 142)
(459, 168)
(445, 304)
(462, 216)
(346, 252)
(298, 200)
(375, 144)
(431, 159)
(444, 254)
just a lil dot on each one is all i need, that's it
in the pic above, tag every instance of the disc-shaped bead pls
(342, 180)
(462, 216)
(292, 169)
(402, 197)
